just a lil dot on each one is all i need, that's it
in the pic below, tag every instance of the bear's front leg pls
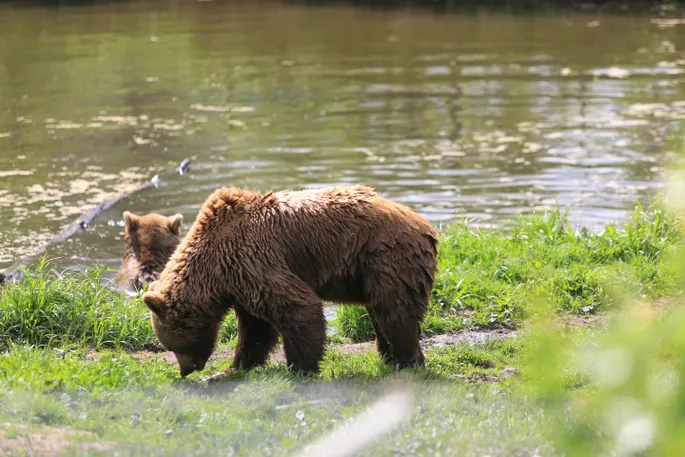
(382, 344)
(296, 312)
(304, 343)
(256, 340)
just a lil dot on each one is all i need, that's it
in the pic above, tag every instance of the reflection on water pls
(477, 115)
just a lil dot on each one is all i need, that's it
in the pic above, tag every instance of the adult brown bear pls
(148, 243)
(275, 257)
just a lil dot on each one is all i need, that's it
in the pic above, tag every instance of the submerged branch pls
(81, 223)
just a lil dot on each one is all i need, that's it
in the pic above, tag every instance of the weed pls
(51, 309)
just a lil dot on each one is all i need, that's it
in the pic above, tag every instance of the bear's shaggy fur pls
(149, 242)
(275, 257)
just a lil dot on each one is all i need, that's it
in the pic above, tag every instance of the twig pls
(14, 273)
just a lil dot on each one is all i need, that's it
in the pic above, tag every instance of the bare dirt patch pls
(470, 337)
(575, 320)
(278, 356)
(480, 377)
(645, 308)
(20, 439)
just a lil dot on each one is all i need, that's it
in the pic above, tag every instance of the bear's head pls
(149, 242)
(185, 330)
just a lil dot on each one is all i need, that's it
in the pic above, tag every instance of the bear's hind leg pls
(398, 273)
(382, 343)
(403, 335)
(397, 307)
(256, 339)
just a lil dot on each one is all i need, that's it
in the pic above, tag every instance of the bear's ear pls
(130, 220)
(155, 303)
(175, 222)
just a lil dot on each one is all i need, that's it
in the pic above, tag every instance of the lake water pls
(480, 115)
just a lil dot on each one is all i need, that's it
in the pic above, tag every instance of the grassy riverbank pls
(488, 278)
(74, 353)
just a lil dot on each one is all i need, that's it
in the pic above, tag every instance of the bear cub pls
(148, 243)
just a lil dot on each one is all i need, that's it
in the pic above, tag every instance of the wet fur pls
(275, 257)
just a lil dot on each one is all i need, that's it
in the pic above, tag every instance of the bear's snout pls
(188, 365)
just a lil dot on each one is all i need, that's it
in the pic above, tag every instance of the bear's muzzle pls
(188, 365)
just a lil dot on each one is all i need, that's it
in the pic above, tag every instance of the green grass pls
(487, 278)
(143, 407)
(146, 409)
(80, 367)
(618, 392)
(565, 398)
(272, 416)
(67, 360)
(50, 309)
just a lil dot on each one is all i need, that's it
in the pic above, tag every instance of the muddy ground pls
(472, 337)
(278, 356)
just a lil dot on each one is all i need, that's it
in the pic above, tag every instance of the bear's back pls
(327, 233)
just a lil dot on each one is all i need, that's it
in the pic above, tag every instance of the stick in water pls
(380, 419)
(80, 224)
